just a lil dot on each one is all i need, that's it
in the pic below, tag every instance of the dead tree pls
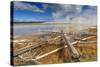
(73, 52)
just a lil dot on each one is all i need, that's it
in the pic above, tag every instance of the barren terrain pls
(49, 48)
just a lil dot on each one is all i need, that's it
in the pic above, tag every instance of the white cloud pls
(26, 6)
(65, 11)
(70, 13)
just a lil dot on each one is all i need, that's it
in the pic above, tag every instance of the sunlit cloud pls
(26, 6)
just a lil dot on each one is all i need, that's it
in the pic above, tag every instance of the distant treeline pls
(26, 22)
(44, 23)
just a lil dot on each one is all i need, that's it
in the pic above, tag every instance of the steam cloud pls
(75, 13)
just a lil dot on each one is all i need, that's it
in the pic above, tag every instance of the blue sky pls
(33, 11)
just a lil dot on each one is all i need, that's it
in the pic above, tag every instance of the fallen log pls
(30, 60)
(25, 49)
(73, 52)
(53, 51)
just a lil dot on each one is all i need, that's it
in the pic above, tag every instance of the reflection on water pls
(19, 29)
(27, 28)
